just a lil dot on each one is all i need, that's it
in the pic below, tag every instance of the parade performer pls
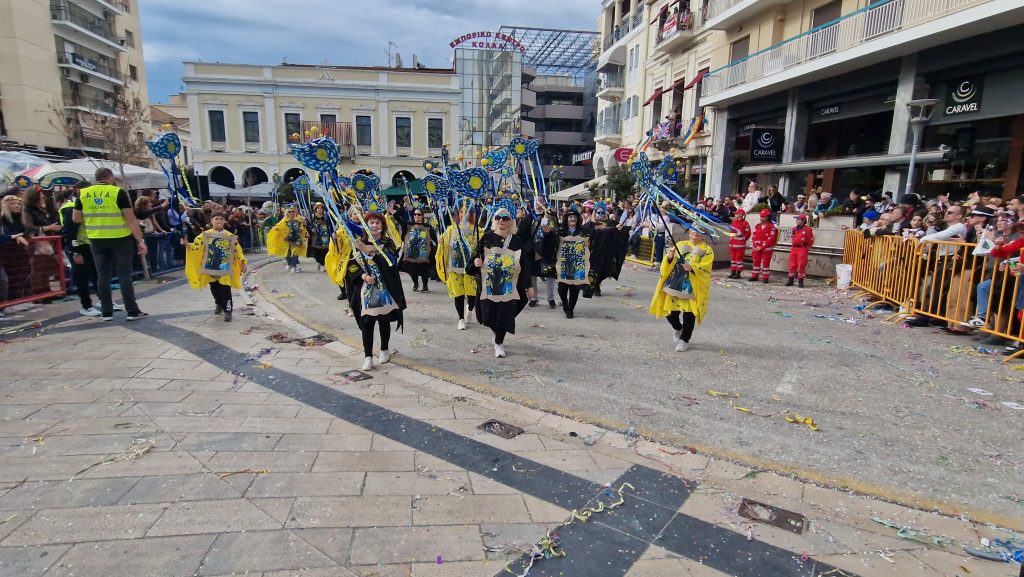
(545, 249)
(608, 246)
(340, 251)
(420, 239)
(454, 252)
(573, 261)
(503, 267)
(803, 240)
(215, 258)
(319, 235)
(374, 287)
(682, 292)
(738, 243)
(762, 243)
(288, 239)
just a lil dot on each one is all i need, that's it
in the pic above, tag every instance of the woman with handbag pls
(43, 259)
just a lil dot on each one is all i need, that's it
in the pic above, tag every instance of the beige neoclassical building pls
(385, 119)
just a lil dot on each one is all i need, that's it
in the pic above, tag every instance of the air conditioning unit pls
(84, 78)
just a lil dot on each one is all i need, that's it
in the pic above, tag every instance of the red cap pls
(766, 213)
(740, 212)
(802, 217)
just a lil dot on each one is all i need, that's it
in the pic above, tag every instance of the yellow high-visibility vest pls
(81, 237)
(103, 219)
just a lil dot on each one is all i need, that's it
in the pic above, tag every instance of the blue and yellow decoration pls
(319, 154)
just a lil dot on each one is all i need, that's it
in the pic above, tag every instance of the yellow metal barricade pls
(645, 254)
(942, 280)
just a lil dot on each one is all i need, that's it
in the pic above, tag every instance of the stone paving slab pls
(245, 479)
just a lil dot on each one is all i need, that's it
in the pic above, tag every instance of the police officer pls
(114, 236)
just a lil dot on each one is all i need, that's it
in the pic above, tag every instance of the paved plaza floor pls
(183, 445)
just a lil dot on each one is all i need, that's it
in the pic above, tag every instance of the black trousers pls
(689, 321)
(499, 336)
(569, 295)
(366, 327)
(221, 295)
(114, 255)
(418, 279)
(83, 274)
(461, 301)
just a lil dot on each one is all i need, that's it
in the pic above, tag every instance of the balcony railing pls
(676, 25)
(628, 23)
(854, 29)
(91, 64)
(65, 12)
(92, 104)
(608, 127)
(717, 7)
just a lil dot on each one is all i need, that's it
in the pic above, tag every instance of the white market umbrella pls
(136, 177)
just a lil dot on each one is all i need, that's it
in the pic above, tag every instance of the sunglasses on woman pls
(503, 217)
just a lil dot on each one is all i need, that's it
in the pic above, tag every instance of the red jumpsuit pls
(738, 245)
(803, 240)
(762, 243)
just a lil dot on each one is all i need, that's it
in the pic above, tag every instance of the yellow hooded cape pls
(338, 255)
(278, 246)
(458, 284)
(194, 263)
(700, 277)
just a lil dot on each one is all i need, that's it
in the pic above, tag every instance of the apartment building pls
(561, 112)
(816, 94)
(653, 58)
(74, 58)
(384, 119)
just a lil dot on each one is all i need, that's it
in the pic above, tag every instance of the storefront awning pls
(657, 94)
(696, 79)
(853, 162)
(578, 191)
(662, 12)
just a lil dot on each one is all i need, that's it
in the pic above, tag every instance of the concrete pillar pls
(616, 15)
(719, 177)
(795, 143)
(900, 138)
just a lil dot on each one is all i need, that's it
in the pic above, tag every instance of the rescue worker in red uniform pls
(738, 243)
(763, 241)
(803, 240)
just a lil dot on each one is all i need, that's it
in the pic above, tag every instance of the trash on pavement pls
(503, 430)
(772, 515)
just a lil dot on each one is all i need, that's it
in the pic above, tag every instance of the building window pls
(217, 126)
(251, 122)
(698, 110)
(129, 38)
(435, 132)
(403, 132)
(328, 119)
(133, 72)
(364, 131)
(292, 124)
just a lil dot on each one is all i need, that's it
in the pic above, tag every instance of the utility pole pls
(389, 52)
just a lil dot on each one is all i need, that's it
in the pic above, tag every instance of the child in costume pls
(803, 240)
(738, 243)
(762, 242)
(684, 287)
(215, 258)
(455, 250)
(319, 235)
(288, 238)
(573, 261)
(545, 248)
(374, 287)
(505, 284)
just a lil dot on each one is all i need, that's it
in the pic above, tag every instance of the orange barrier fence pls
(33, 272)
(942, 280)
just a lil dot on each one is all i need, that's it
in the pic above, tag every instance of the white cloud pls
(342, 32)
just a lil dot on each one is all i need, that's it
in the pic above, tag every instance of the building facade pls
(384, 119)
(814, 95)
(654, 56)
(561, 112)
(66, 63)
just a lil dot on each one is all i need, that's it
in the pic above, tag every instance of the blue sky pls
(342, 32)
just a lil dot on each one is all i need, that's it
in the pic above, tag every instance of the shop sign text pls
(964, 96)
(486, 40)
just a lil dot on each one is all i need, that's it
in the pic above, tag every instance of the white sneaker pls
(499, 351)
(287, 268)
(368, 363)
(462, 325)
(298, 269)
(682, 346)
(975, 323)
(319, 268)
(89, 312)
(384, 357)
(118, 307)
(677, 336)
(293, 269)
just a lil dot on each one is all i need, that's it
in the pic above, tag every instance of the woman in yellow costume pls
(215, 258)
(339, 252)
(454, 254)
(684, 286)
(288, 239)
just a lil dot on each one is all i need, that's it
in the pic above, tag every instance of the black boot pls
(789, 281)
(218, 310)
(551, 304)
(800, 282)
(227, 312)
(341, 295)
(568, 314)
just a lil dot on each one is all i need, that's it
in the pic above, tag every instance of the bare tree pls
(116, 125)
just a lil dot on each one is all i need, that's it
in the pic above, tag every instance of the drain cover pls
(503, 430)
(353, 376)
(772, 515)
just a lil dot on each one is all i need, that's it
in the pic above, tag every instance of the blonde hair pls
(5, 210)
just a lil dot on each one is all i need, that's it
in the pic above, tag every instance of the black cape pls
(388, 276)
(502, 316)
(608, 247)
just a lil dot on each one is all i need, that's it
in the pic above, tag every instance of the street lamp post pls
(702, 152)
(920, 113)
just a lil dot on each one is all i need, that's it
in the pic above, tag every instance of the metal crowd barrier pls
(941, 280)
(33, 272)
(644, 253)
